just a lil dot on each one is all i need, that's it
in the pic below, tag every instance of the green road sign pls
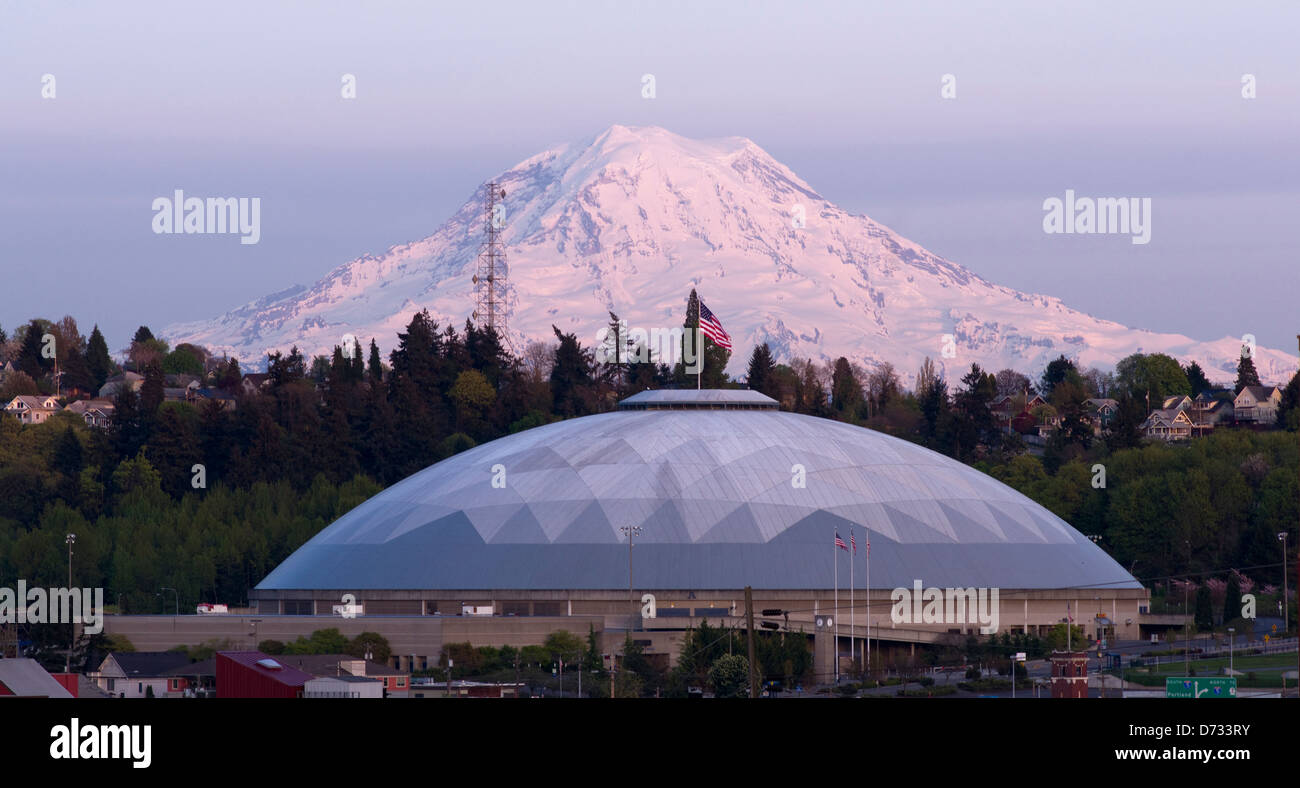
(1201, 688)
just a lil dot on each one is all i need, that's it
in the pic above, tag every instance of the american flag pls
(840, 542)
(712, 328)
(853, 542)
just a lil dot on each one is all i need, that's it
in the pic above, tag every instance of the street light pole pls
(176, 609)
(72, 638)
(1286, 600)
(1231, 631)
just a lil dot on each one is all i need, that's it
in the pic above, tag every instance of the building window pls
(298, 607)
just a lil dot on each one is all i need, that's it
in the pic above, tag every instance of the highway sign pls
(1200, 688)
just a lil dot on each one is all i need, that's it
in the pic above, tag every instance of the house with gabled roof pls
(31, 409)
(1100, 412)
(1168, 425)
(97, 413)
(139, 674)
(1257, 404)
(126, 378)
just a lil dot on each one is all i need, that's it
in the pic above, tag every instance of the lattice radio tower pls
(490, 281)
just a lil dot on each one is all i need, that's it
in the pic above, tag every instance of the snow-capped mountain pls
(630, 220)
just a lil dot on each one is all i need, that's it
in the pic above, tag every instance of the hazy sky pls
(243, 99)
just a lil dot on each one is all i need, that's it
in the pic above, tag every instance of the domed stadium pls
(726, 491)
(719, 491)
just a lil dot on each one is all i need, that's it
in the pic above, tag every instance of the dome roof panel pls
(711, 487)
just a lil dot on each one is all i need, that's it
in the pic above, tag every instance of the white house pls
(1257, 404)
(30, 409)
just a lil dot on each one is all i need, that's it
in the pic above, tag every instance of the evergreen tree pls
(1196, 378)
(151, 391)
(845, 389)
(30, 358)
(932, 398)
(125, 426)
(617, 352)
(974, 424)
(98, 363)
(228, 376)
(375, 367)
(1061, 369)
(1246, 374)
(762, 371)
(68, 454)
(1232, 599)
(570, 375)
(1288, 411)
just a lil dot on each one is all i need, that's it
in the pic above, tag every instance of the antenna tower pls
(490, 281)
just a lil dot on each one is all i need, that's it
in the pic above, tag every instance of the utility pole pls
(749, 625)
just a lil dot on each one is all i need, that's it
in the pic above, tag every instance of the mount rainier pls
(630, 220)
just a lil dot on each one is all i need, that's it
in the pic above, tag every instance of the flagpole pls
(852, 625)
(699, 335)
(835, 652)
(868, 654)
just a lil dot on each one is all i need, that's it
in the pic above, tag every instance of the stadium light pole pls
(630, 531)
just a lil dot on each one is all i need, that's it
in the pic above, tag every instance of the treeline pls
(208, 497)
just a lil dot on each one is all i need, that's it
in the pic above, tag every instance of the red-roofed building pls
(252, 674)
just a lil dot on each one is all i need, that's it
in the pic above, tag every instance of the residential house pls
(1168, 425)
(116, 382)
(30, 409)
(1257, 405)
(1211, 409)
(139, 674)
(1177, 402)
(97, 413)
(1101, 413)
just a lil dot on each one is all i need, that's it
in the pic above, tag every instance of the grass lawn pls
(1211, 667)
